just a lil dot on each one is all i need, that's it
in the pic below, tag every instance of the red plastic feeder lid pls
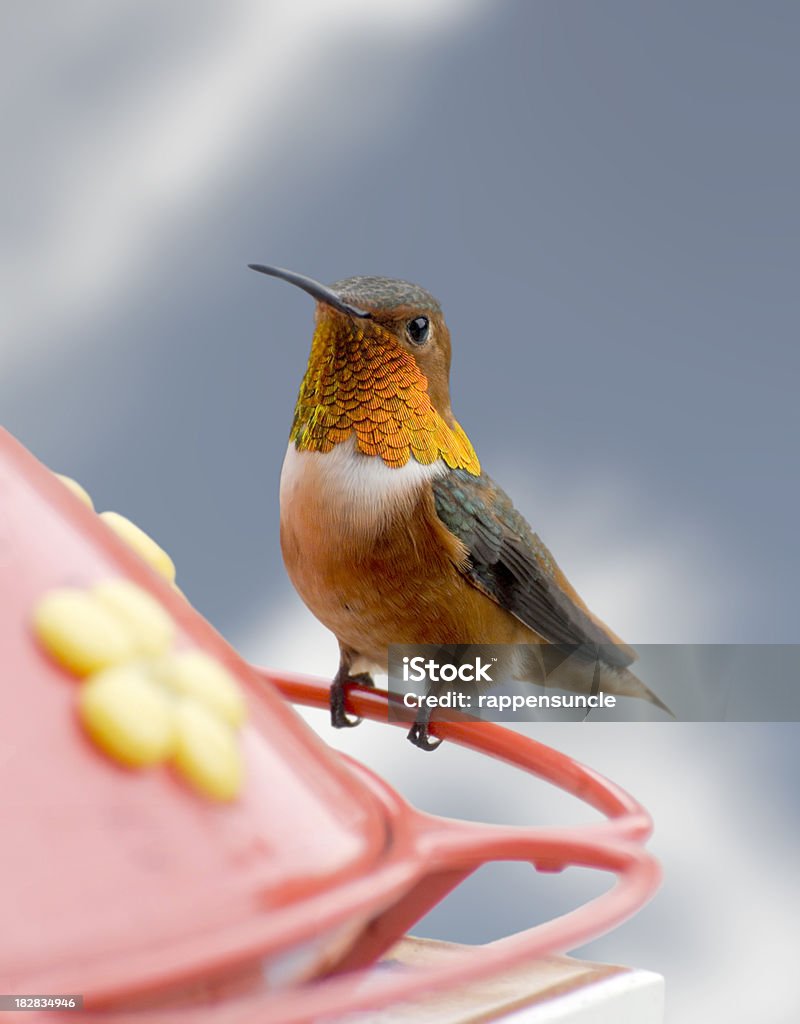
(110, 873)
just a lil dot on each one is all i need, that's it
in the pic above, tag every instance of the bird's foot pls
(419, 735)
(339, 717)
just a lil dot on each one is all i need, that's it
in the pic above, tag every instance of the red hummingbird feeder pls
(155, 902)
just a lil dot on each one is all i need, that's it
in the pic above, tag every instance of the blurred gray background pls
(604, 198)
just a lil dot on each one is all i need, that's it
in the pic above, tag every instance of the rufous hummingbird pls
(390, 530)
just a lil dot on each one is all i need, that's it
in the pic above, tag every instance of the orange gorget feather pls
(364, 383)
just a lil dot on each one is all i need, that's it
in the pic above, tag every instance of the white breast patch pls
(351, 485)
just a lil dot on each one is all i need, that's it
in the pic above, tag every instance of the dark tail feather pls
(623, 683)
(546, 665)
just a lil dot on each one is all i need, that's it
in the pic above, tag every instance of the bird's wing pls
(507, 562)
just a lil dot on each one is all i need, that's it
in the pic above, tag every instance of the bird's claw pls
(419, 735)
(339, 717)
(341, 720)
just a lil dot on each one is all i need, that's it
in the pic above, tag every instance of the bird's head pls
(378, 373)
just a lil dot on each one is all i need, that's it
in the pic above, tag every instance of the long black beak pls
(314, 288)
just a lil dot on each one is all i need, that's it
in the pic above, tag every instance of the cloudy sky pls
(604, 198)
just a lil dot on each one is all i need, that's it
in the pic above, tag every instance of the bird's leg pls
(419, 733)
(339, 717)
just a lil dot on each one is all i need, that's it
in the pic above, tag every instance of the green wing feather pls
(509, 563)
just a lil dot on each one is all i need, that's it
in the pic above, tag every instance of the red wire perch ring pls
(459, 847)
(615, 845)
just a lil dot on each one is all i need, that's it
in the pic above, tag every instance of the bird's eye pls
(417, 330)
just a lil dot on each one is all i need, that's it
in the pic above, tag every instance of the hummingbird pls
(390, 530)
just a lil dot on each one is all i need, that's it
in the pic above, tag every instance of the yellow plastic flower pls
(141, 702)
